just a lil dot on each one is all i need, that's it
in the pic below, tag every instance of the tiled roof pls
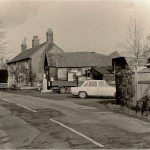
(114, 54)
(103, 70)
(78, 59)
(3, 66)
(27, 53)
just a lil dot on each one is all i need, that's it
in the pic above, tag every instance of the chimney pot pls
(24, 45)
(49, 36)
(35, 41)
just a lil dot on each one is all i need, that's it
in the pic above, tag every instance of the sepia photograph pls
(74, 74)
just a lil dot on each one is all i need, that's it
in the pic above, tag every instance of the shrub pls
(125, 87)
(143, 105)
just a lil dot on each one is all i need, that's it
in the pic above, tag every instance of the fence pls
(142, 83)
(3, 85)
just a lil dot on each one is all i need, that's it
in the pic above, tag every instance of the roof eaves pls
(58, 47)
(40, 46)
(28, 57)
(18, 61)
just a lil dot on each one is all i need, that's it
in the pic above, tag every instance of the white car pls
(94, 88)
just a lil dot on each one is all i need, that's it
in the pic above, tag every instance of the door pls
(91, 89)
(70, 76)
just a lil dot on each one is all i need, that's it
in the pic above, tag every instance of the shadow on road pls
(92, 101)
(93, 97)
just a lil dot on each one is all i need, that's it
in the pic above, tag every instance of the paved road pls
(31, 122)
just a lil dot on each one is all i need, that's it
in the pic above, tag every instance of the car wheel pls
(82, 95)
(63, 90)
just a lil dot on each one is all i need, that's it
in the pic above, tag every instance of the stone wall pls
(19, 73)
(37, 67)
(37, 63)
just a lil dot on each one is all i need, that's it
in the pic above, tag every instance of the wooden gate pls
(142, 81)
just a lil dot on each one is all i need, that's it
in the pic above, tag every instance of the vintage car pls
(94, 88)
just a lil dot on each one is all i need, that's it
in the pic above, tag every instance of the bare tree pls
(134, 41)
(2, 40)
(147, 45)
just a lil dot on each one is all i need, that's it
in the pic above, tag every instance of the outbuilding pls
(75, 67)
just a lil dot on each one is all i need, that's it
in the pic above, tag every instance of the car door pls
(109, 90)
(106, 89)
(100, 91)
(91, 89)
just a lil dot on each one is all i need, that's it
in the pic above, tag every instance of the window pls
(93, 83)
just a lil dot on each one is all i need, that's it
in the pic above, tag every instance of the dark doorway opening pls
(96, 75)
(3, 76)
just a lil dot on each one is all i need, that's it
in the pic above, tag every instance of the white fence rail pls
(3, 85)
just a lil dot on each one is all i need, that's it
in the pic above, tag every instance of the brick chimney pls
(23, 45)
(49, 36)
(35, 41)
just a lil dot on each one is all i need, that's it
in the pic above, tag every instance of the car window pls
(102, 83)
(93, 84)
(105, 83)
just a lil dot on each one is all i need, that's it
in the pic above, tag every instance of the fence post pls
(136, 78)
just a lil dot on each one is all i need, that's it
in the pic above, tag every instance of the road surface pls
(38, 123)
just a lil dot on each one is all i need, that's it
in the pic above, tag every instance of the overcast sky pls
(77, 25)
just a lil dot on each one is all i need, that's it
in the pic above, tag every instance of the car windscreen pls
(86, 84)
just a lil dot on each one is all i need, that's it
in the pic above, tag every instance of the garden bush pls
(125, 87)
